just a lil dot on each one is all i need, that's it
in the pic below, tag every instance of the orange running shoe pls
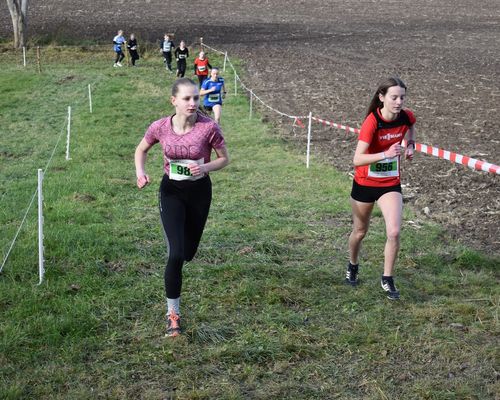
(173, 324)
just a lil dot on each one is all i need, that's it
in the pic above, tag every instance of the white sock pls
(173, 305)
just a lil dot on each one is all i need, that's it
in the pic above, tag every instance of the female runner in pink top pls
(187, 139)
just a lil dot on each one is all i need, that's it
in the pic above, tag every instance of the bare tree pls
(18, 12)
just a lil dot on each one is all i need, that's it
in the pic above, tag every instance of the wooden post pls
(125, 52)
(38, 59)
(201, 44)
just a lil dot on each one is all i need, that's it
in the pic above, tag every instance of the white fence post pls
(41, 268)
(235, 84)
(308, 140)
(90, 99)
(69, 133)
(251, 103)
(24, 56)
(225, 59)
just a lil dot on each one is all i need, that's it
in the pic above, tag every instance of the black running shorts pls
(370, 194)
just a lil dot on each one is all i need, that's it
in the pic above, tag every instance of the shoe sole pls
(350, 283)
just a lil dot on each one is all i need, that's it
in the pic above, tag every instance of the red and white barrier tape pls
(432, 151)
(335, 125)
(458, 158)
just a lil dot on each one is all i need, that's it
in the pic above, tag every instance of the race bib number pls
(202, 68)
(214, 98)
(387, 168)
(179, 170)
(182, 56)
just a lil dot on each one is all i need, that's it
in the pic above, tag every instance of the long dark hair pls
(382, 90)
(181, 82)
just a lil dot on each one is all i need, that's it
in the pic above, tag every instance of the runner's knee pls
(359, 233)
(393, 233)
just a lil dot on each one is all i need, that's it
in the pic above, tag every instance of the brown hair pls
(382, 89)
(181, 82)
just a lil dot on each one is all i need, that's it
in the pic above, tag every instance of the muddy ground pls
(327, 57)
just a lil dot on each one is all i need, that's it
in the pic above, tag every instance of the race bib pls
(386, 168)
(182, 56)
(179, 170)
(202, 68)
(214, 98)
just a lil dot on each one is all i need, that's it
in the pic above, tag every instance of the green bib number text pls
(384, 167)
(181, 169)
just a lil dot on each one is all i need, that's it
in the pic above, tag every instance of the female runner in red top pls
(201, 67)
(376, 178)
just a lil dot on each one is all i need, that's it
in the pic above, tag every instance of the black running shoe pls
(387, 283)
(351, 275)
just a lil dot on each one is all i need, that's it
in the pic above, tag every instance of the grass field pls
(265, 312)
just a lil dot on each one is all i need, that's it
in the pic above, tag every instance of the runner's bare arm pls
(140, 163)
(362, 158)
(410, 143)
(220, 162)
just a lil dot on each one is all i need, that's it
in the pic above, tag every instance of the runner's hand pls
(142, 181)
(410, 150)
(197, 169)
(394, 150)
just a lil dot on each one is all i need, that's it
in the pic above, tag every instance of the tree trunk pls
(19, 15)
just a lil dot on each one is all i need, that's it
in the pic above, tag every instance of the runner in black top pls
(132, 49)
(181, 54)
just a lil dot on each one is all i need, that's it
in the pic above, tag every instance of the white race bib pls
(386, 168)
(202, 68)
(214, 97)
(179, 170)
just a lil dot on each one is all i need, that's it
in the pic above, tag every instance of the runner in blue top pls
(213, 89)
(118, 42)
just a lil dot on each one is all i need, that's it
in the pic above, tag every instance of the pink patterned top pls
(193, 145)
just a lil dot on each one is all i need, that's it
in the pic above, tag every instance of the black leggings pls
(201, 78)
(181, 68)
(134, 55)
(184, 207)
(167, 55)
(119, 56)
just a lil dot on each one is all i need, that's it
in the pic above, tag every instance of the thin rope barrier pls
(30, 204)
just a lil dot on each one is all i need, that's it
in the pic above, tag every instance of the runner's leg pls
(391, 205)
